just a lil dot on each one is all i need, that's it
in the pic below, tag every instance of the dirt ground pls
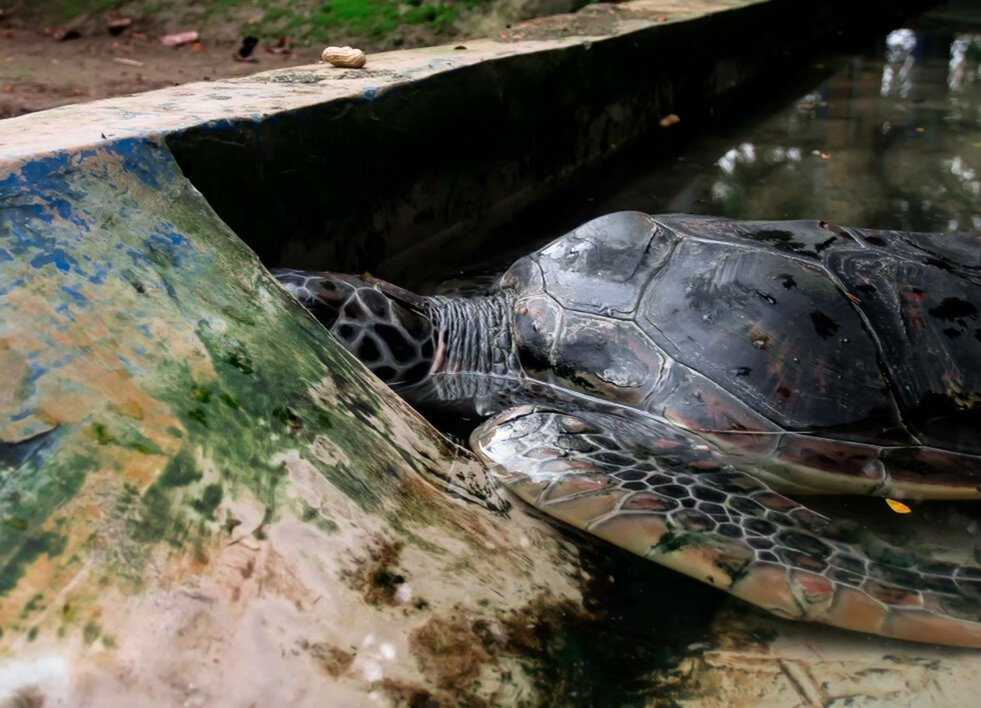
(38, 71)
(50, 57)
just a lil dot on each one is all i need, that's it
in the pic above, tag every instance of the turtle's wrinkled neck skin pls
(475, 354)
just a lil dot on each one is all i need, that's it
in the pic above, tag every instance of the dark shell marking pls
(396, 343)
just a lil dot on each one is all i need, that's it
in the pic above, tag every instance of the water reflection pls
(961, 70)
(897, 74)
(891, 138)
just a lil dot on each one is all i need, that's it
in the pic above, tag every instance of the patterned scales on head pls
(662, 382)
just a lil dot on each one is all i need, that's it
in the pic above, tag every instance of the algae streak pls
(195, 480)
(154, 375)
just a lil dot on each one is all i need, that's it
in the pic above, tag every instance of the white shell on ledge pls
(344, 56)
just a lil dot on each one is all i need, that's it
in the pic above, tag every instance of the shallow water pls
(888, 136)
(891, 139)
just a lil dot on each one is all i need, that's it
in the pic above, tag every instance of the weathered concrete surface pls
(203, 499)
(459, 136)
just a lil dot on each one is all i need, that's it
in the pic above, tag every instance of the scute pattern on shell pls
(666, 495)
(768, 326)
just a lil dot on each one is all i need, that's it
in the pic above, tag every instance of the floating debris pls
(344, 56)
(669, 120)
(898, 506)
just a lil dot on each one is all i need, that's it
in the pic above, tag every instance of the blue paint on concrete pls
(143, 169)
(65, 311)
(164, 248)
(12, 284)
(59, 231)
(58, 256)
(67, 358)
(99, 271)
(20, 214)
(176, 238)
(38, 248)
(44, 191)
(37, 177)
(32, 176)
(137, 256)
(75, 295)
(131, 367)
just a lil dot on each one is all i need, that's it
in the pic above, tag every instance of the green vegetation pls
(374, 18)
(73, 8)
(371, 19)
(209, 501)
(378, 22)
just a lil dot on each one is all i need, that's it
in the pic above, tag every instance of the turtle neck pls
(474, 348)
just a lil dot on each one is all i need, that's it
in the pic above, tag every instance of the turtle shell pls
(870, 337)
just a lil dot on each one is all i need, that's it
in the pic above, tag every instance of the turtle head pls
(386, 327)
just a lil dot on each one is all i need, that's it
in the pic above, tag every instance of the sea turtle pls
(662, 382)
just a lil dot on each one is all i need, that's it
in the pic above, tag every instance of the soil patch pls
(38, 72)
(54, 52)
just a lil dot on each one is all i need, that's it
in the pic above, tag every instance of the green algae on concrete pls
(125, 292)
(178, 437)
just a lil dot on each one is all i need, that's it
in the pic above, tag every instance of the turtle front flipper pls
(662, 493)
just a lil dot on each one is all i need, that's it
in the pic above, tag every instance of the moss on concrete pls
(163, 376)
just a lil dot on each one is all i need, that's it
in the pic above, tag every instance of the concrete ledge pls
(322, 167)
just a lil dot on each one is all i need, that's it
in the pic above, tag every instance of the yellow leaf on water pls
(898, 506)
